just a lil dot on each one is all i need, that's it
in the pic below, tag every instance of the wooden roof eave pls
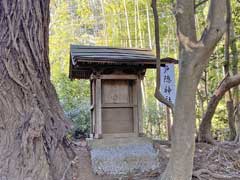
(152, 62)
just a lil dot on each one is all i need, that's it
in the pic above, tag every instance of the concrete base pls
(122, 156)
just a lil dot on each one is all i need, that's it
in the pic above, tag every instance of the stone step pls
(122, 156)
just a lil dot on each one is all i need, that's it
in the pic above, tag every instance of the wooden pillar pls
(139, 105)
(98, 88)
(91, 108)
(135, 107)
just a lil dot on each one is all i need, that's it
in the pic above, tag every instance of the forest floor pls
(211, 162)
(217, 162)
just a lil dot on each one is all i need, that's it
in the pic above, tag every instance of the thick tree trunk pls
(180, 164)
(32, 124)
(194, 56)
(205, 126)
(183, 142)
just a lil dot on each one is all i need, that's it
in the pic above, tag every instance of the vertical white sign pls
(168, 87)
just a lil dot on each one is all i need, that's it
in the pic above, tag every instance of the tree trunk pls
(148, 27)
(135, 24)
(233, 46)
(194, 56)
(237, 118)
(127, 23)
(228, 96)
(139, 25)
(183, 130)
(231, 119)
(104, 23)
(32, 124)
(205, 126)
(158, 95)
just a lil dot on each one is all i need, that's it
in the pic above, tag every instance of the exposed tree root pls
(237, 139)
(217, 162)
(206, 138)
(68, 168)
(199, 172)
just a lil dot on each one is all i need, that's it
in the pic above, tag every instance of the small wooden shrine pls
(116, 94)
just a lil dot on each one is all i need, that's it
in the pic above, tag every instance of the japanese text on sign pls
(168, 88)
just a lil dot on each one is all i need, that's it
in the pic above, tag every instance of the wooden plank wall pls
(101, 104)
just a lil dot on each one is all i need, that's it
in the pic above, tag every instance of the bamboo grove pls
(130, 23)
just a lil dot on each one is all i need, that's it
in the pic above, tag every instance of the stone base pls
(122, 156)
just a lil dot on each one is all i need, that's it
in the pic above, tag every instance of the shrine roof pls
(84, 58)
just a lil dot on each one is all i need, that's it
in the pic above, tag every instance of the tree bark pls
(205, 126)
(235, 58)
(194, 56)
(228, 96)
(32, 124)
(231, 120)
(181, 159)
(237, 118)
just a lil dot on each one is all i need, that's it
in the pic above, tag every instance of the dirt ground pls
(219, 162)
(211, 162)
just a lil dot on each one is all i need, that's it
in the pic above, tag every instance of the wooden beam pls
(120, 135)
(118, 105)
(120, 76)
